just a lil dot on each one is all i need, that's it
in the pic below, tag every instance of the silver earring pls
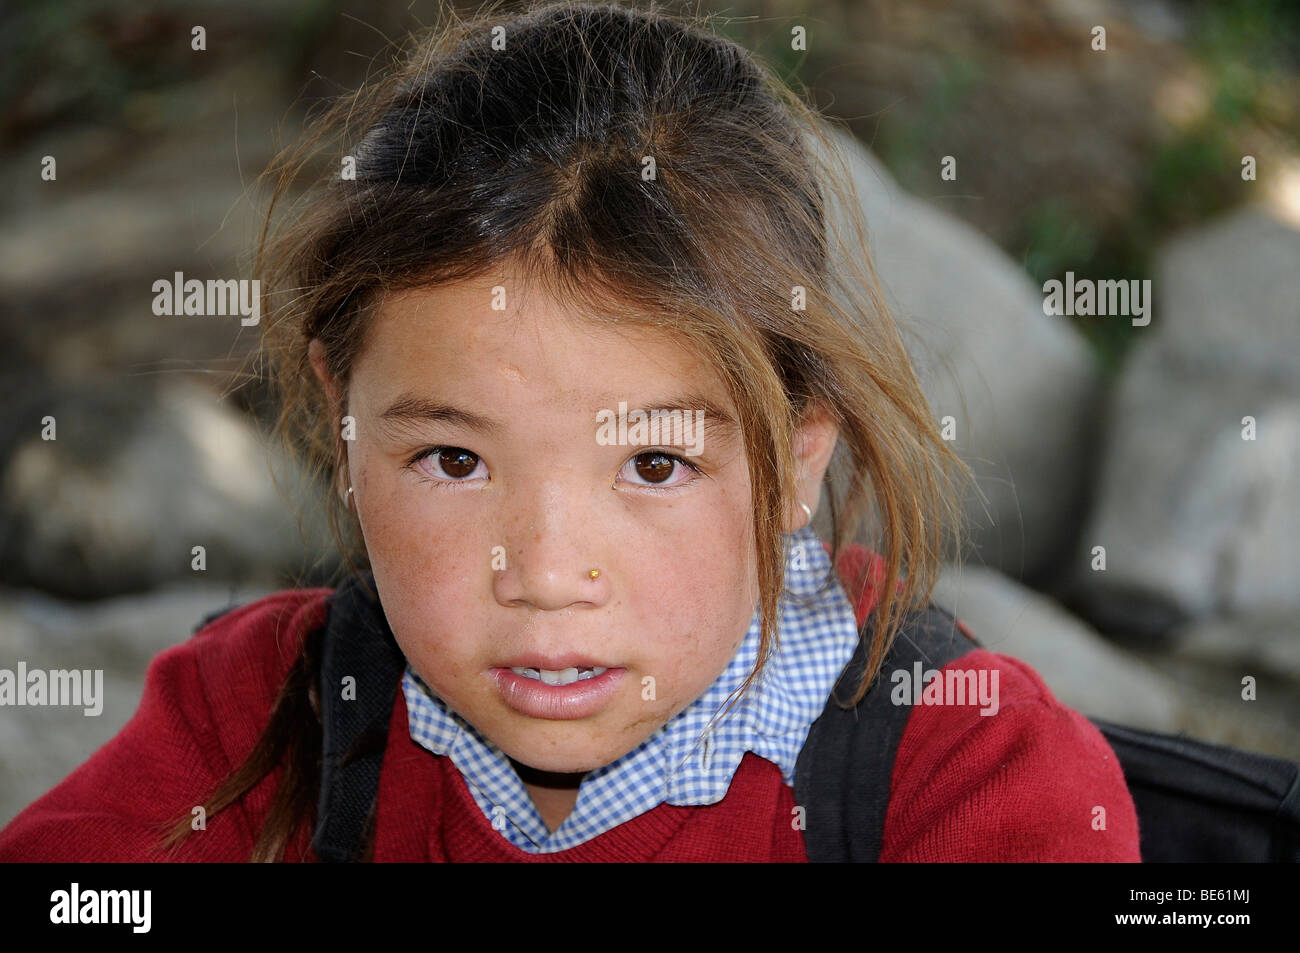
(806, 510)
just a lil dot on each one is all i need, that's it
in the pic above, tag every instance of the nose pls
(552, 557)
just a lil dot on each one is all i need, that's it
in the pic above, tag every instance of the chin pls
(560, 760)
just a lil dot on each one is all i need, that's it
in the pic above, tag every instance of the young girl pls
(573, 322)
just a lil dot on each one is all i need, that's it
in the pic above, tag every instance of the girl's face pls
(482, 551)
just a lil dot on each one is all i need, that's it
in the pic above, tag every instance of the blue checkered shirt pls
(677, 765)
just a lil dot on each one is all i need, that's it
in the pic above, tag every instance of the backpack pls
(1195, 801)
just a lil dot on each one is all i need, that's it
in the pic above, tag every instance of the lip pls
(536, 699)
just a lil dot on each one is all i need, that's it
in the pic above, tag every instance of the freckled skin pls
(678, 583)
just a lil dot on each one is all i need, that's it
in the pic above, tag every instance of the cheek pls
(696, 601)
(425, 576)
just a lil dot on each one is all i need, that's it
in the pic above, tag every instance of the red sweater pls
(1020, 786)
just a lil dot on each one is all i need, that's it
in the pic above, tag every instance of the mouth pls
(562, 676)
(551, 690)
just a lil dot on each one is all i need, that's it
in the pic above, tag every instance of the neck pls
(554, 794)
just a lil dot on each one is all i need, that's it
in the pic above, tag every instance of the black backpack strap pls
(358, 644)
(842, 775)
(1201, 802)
(212, 617)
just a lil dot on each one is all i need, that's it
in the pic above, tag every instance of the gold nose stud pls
(594, 573)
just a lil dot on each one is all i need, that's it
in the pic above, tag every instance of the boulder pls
(141, 472)
(1022, 386)
(1197, 692)
(1081, 668)
(1198, 507)
(40, 746)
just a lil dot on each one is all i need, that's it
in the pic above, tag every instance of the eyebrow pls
(686, 403)
(409, 409)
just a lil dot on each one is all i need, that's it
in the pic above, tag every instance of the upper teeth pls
(564, 676)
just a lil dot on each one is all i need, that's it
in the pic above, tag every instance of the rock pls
(1091, 675)
(1228, 296)
(1262, 644)
(1197, 521)
(40, 746)
(1022, 387)
(142, 471)
(1080, 667)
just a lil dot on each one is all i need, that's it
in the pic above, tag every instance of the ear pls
(316, 354)
(815, 440)
(334, 394)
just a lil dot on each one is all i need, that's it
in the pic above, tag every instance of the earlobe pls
(798, 516)
(815, 441)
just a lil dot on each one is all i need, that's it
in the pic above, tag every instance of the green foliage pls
(909, 149)
(769, 39)
(104, 61)
(1244, 47)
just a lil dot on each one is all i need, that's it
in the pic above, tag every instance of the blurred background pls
(1084, 432)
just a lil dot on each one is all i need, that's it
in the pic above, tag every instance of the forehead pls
(495, 330)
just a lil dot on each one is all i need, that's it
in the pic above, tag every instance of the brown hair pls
(469, 152)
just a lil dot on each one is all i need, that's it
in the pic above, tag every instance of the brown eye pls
(456, 462)
(654, 467)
